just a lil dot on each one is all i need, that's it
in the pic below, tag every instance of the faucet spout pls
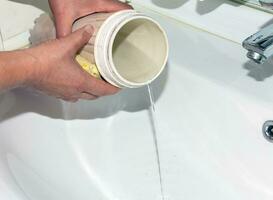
(260, 45)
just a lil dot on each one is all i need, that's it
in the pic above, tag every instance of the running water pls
(155, 133)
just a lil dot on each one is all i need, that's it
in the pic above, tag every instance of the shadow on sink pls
(206, 6)
(170, 4)
(259, 72)
(202, 6)
(20, 101)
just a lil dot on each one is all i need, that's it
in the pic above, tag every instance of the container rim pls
(110, 53)
(98, 45)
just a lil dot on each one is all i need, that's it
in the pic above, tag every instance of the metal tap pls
(260, 45)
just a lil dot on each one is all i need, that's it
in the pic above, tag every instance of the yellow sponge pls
(88, 67)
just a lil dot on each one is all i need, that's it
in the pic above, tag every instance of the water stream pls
(155, 138)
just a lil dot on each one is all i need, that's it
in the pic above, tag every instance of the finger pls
(63, 25)
(87, 96)
(78, 39)
(99, 87)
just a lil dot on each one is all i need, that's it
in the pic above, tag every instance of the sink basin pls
(211, 103)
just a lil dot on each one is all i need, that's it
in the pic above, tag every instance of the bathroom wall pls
(17, 16)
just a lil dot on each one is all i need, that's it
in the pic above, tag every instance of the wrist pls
(16, 68)
(31, 67)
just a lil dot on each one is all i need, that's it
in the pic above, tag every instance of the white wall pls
(17, 16)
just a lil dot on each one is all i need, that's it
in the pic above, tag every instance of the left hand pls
(54, 71)
(67, 11)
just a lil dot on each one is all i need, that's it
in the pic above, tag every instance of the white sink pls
(211, 105)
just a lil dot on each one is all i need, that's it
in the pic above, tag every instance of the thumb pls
(76, 40)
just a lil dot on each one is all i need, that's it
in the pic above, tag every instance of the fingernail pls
(89, 29)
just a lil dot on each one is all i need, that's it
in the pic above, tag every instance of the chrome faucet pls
(260, 45)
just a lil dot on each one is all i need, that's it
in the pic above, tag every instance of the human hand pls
(55, 71)
(66, 12)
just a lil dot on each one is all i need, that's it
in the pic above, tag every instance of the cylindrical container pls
(129, 49)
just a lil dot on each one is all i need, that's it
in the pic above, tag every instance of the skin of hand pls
(52, 69)
(66, 12)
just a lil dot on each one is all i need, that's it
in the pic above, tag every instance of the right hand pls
(67, 11)
(56, 73)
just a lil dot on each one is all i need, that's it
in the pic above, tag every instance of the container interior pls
(139, 50)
